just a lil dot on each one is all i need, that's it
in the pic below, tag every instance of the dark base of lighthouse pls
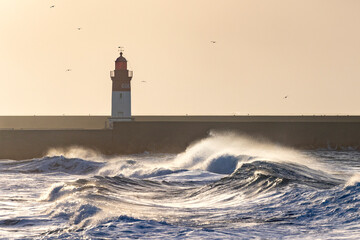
(111, 121)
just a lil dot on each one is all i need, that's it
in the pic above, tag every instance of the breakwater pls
(172, 134)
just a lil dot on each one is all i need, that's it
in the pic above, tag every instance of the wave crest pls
(57, 164)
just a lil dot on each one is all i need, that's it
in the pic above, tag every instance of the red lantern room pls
(121, 63)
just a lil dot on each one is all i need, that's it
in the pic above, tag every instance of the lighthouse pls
(121, 91)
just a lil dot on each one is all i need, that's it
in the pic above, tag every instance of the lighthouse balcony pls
(112, 73)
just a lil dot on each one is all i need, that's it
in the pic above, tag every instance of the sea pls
(224, 186)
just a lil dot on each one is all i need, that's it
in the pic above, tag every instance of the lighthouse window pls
(120, 95)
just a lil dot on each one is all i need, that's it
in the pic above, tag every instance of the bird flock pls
(121, 49)
(79, 28)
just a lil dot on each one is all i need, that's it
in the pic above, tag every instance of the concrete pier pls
(170, 134)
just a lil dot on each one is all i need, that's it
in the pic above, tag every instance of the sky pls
(307, 50)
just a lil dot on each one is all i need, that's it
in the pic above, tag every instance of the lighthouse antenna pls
(121, 49)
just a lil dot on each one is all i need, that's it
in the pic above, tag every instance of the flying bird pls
(213, 41)
(79, 28)
(143, 81)
(286, 96)
(52, 6)
(68, 70)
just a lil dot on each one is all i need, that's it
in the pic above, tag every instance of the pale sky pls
(308, 50)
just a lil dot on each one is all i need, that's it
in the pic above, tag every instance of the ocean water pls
(222, 187)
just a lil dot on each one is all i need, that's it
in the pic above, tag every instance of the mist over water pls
(225, 186)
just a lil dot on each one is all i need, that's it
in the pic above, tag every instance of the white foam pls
(354, 179)
(217, 149)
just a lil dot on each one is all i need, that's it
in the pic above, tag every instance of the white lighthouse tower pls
(121, 91)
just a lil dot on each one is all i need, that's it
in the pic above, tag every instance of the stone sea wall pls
(173, 135)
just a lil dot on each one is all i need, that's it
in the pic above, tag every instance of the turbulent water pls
(223, 187)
